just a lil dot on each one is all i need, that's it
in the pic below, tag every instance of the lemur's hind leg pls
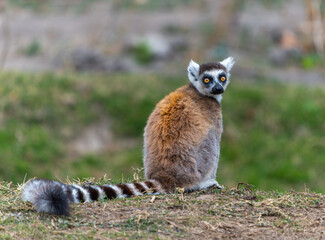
(209, 184)
(205, 185)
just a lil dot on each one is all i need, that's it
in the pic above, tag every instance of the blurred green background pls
(80, 78)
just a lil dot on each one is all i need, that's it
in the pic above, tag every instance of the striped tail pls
(55, 197)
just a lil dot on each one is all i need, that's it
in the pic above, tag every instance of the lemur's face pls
(213, 82)
(211, 79)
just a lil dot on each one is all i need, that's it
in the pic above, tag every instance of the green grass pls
(32, 49)
(142, 53)
(274, 134)
(41, 114)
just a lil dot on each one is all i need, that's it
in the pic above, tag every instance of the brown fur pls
(174, 133)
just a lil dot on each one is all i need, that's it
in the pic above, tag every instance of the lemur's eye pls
(223, 78)
(206, 80)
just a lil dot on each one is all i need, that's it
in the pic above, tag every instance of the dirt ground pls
(238, 213)
(213, 216)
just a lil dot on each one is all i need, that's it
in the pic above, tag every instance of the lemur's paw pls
(210, 184)
(216, 185)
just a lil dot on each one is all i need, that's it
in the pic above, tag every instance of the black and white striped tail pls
(54, 197)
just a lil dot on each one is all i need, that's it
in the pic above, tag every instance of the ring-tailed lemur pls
(181, 146)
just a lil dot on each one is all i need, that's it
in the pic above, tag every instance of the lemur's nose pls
(217, 89)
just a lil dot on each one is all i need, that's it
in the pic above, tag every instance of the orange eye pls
(206, 80)
(223, 79)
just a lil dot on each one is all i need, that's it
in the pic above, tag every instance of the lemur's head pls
(211, 79)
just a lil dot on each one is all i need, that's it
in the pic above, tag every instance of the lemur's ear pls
(228, 63)
(193, 71)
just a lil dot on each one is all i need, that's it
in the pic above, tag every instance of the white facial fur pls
(193, 70)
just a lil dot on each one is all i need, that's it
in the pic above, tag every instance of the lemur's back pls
(183, 128)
